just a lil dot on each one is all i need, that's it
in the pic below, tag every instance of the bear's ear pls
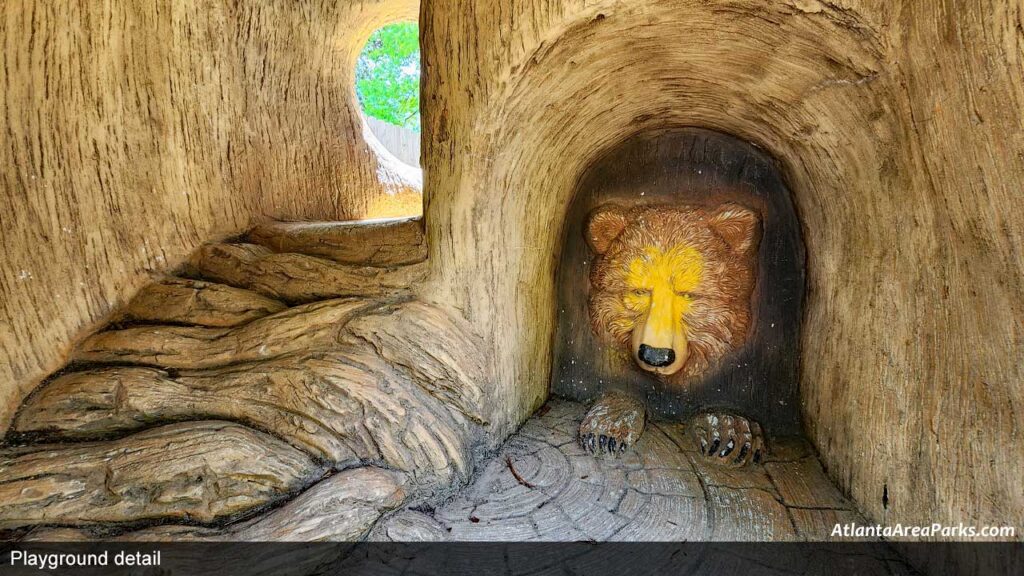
(738, 226)
(604, 226)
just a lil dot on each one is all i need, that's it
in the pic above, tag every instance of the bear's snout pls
(656, 357)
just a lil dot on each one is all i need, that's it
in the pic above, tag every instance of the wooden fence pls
(402, 142)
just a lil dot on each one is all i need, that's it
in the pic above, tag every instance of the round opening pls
(388, 90)
(388, 87)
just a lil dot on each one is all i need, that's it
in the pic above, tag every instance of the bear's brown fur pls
(642, 254)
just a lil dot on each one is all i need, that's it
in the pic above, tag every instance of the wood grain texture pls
(297, 277)
(896, 124)
(440, 351)
(408, 526)
(406, 388)
(342, 406)
(387, 242)
(197, 470)
(541, 486)
(133, 132)
(342, 507)
(315, 326)
(180, 301)
(897, 128)
(391, 388)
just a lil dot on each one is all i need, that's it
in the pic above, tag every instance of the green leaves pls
(388, 75)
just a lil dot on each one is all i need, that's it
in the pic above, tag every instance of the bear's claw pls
(612, 425)
(728, 439)
(597, 444)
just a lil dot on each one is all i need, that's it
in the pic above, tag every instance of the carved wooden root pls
(198, 470)
(340, 508)
(297, 277)
(384, 243)
(179, 301)
(437, 349)
(303, 328)
(345, 406)
(382, 395)
(344, 382)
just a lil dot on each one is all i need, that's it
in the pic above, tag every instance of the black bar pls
(517, 559)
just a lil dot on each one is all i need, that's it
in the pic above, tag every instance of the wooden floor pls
(542, 486)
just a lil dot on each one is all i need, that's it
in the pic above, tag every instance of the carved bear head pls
(673, 283)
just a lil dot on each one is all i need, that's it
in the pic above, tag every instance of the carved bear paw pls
(613, 424)
(728, 439)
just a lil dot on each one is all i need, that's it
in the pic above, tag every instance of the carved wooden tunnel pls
(186, 317)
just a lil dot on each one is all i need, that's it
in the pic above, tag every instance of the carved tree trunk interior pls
(143, 138)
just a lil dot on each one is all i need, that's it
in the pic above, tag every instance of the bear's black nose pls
(656, 357)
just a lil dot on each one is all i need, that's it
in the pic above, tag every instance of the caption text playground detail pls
(53, 561)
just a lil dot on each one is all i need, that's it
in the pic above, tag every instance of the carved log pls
(915, 315)
(303, 328)
(342, 508)
(392, 242)
(297, 277)
(95, 403)
(343, 406)
(191, 471)
(179, 301)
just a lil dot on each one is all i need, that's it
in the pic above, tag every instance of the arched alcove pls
(677, 168)
(599, 76)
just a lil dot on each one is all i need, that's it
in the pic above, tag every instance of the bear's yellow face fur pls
(673, 283)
